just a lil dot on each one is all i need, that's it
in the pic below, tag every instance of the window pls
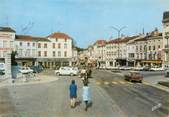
(140, 48)
(28, 52)
(39, 45)
(149, 47)
(65, 46)
(19, 52)
(11, 44)
(33, 44)
(28, 44)
(136, 48)
(56, 39)
(53, 45)
(33, 52)
(45, 45)
(59, 53)
(45, 53)
(145, 48)
(154, 47)
(65, 54)
(5, 44)
(158, 46)
(20, 43)
(39, 53)
(59, 45)
(54, 54)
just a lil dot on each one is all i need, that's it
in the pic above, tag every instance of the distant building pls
(7, 38)
(55, 52)
(26, 47)
(51, 51)
(165, 22)
(149, 50)
(111, 53)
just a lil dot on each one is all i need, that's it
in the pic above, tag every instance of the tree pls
(13, 60)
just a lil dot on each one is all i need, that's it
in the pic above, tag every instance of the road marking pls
(98, 83)
(122, 82)
(113, 82)
(106, 83)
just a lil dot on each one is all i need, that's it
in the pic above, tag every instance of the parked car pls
(157, 69)
(67, 71)
(146, 68)
(25, 70)
(134, 76)
(37, 69)
(166, 72)
(138, 68)
(112, 68)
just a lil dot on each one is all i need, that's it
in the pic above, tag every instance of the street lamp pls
(167, 37)
(118, 31)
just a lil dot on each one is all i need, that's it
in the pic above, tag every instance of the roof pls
(126, 39)
(59, 35)
(121, 40)
(100, 42)
(141, 39)
(29, 38)
(6, 29)
(113, 41)
(165, 17)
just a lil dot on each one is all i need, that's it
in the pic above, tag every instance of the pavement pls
(112, 96)
(134, 99)
(51, 99)
(150, 78)
(37, 79)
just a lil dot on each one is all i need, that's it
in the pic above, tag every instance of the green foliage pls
(13, 60)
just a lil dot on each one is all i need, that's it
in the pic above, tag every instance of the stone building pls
(165, 22)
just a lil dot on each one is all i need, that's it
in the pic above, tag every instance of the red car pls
(134, 76)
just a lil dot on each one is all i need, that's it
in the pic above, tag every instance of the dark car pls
(134, 76)
(37, 69)
(167, 72)
(146, 68)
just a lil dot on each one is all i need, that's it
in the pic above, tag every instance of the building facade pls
(165, 22)
(51, 51)
(7, 38)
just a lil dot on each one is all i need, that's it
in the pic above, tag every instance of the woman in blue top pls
(86, 95)
(73, 93)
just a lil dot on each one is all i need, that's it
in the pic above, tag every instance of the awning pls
(152, 61)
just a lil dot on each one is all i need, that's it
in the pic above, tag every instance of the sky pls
(84, 20)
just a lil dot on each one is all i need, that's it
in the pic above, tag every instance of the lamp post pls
(118, 31)
(167, 37)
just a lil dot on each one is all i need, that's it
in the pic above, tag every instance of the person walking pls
(73, 93)
(86, 95)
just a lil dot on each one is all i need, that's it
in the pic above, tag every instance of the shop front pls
(152, 63)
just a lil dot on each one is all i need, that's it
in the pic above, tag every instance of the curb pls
(157, 86)
(47, 80)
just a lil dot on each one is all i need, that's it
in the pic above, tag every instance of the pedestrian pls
(73, 93)
(86, 95)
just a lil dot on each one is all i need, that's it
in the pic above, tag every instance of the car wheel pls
(58, 74)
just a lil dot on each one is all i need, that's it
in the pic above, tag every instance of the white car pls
(138, 68)
(25, 70)
(157, 69)
(67, 71)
